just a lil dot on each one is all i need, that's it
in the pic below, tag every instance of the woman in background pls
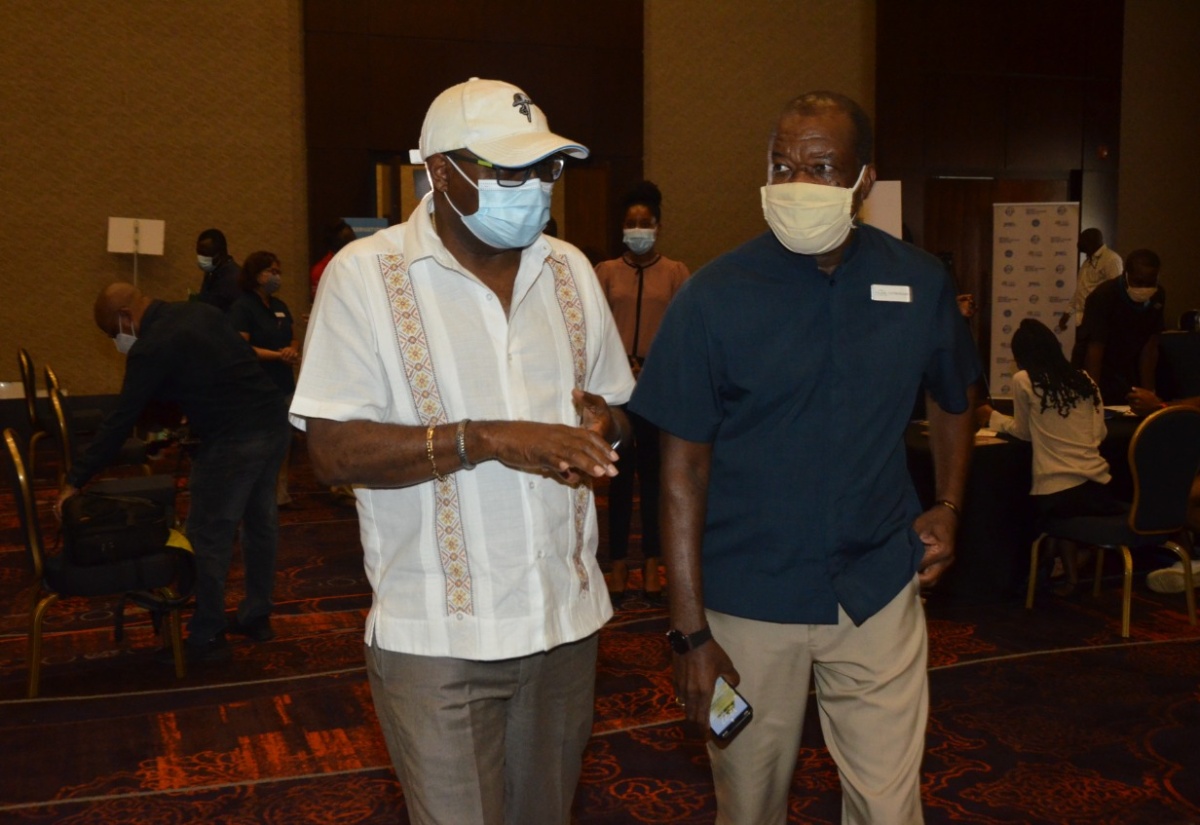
(1057, 407)
(638, 285)
(265, 321)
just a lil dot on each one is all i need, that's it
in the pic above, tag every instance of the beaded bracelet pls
(429, 452)
(460, 444)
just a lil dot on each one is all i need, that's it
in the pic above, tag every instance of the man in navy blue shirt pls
(782, 378)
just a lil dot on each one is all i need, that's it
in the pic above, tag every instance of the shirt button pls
(531, 485)
(541, 555)
(490, 296)
(459, 615)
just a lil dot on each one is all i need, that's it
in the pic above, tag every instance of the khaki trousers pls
(486, 743)
(873, 697)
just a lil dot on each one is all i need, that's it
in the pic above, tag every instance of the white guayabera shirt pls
(491, 563)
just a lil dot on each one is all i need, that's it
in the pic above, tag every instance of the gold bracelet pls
(429, 452)
(950, 505)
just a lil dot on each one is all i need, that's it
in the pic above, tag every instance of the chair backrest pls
(1178, 371)
(62, 432)
(1164, 457)
(26, 504)
(51, 380)
(29, 385)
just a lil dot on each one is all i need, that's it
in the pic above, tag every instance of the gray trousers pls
(486, 743)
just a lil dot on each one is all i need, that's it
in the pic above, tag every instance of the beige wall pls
(190, 113)
(194, 114)
(1159, 188)
(717, 75)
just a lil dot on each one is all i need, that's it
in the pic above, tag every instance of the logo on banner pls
(1035, 238)
(1008, 210)
(1008, 253)
(1036, 222)
(1033, 299)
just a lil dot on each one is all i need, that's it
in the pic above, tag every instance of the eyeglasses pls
(548, 170)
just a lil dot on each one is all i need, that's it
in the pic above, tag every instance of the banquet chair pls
(160, 488)
(160, 581)
(1164, 458)
(38, 426)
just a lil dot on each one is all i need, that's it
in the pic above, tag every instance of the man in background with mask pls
(459, 370)
(187, 353)
(220, 285)
(1100, 264)
(782, 377)
(1121, 323)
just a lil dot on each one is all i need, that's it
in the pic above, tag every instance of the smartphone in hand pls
(729, 712)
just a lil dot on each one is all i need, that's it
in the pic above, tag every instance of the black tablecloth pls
(997, 524)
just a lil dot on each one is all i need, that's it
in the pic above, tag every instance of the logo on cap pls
(522, 102)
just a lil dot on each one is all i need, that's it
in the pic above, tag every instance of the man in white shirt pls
(461, 370)
(1100, 264)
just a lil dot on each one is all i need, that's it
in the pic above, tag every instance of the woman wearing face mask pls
(638, 285)
(265, 321)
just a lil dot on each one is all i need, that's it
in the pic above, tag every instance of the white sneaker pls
(1170, 579)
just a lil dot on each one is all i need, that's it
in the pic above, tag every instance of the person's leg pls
(620, 515)
(648, 462)
(217, 490)
(753, 774)
(444, 723)
(873, 695)
(549, 722)
(260, 525)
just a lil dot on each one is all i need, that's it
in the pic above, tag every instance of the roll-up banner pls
(1034, 263)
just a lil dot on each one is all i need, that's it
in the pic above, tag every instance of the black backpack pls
(99, 529)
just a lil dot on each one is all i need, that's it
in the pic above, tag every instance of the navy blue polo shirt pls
(803, 383)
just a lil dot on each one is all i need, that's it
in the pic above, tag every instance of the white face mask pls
(508, 217)
(124, 341)
(639, 241)
(205, 263)
(1140, 294)
(809, 218)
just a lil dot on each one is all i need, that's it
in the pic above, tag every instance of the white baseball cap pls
(495, 120)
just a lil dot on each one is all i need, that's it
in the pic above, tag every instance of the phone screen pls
(729, 712)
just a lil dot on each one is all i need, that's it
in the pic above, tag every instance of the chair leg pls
(1033, 571)
(175, 628)
(1185, 558)
(1099, 572)
(35, 643)
(1126, 591)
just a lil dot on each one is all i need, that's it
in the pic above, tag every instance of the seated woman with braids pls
(1057, 407)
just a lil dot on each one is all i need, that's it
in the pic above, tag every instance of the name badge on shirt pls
(281, 315)
(891, 292)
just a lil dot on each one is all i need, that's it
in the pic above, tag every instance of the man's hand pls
(983, 415)
(695, 674)
(595, 415)
(557, 449)
(1063, 320)
(936, 528)
(289, 355)
(67, 492)
(1143, 402)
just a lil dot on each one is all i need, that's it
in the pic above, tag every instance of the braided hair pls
(1057, 383)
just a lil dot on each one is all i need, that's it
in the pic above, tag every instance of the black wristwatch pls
(687, 642)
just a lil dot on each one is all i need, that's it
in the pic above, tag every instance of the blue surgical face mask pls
(272, 283)
(124, 341)
(639, 241)
(508, 217)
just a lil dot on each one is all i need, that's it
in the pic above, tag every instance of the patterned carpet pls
(1036, 717)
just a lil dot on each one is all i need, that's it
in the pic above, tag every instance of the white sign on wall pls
(1034, 264)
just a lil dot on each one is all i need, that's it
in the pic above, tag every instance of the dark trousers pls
(232, 482)
(638, 459)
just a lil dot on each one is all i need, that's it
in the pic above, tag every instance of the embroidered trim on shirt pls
(427, 398)
(566, 290)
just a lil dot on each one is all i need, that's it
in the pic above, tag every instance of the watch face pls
(679, 642)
